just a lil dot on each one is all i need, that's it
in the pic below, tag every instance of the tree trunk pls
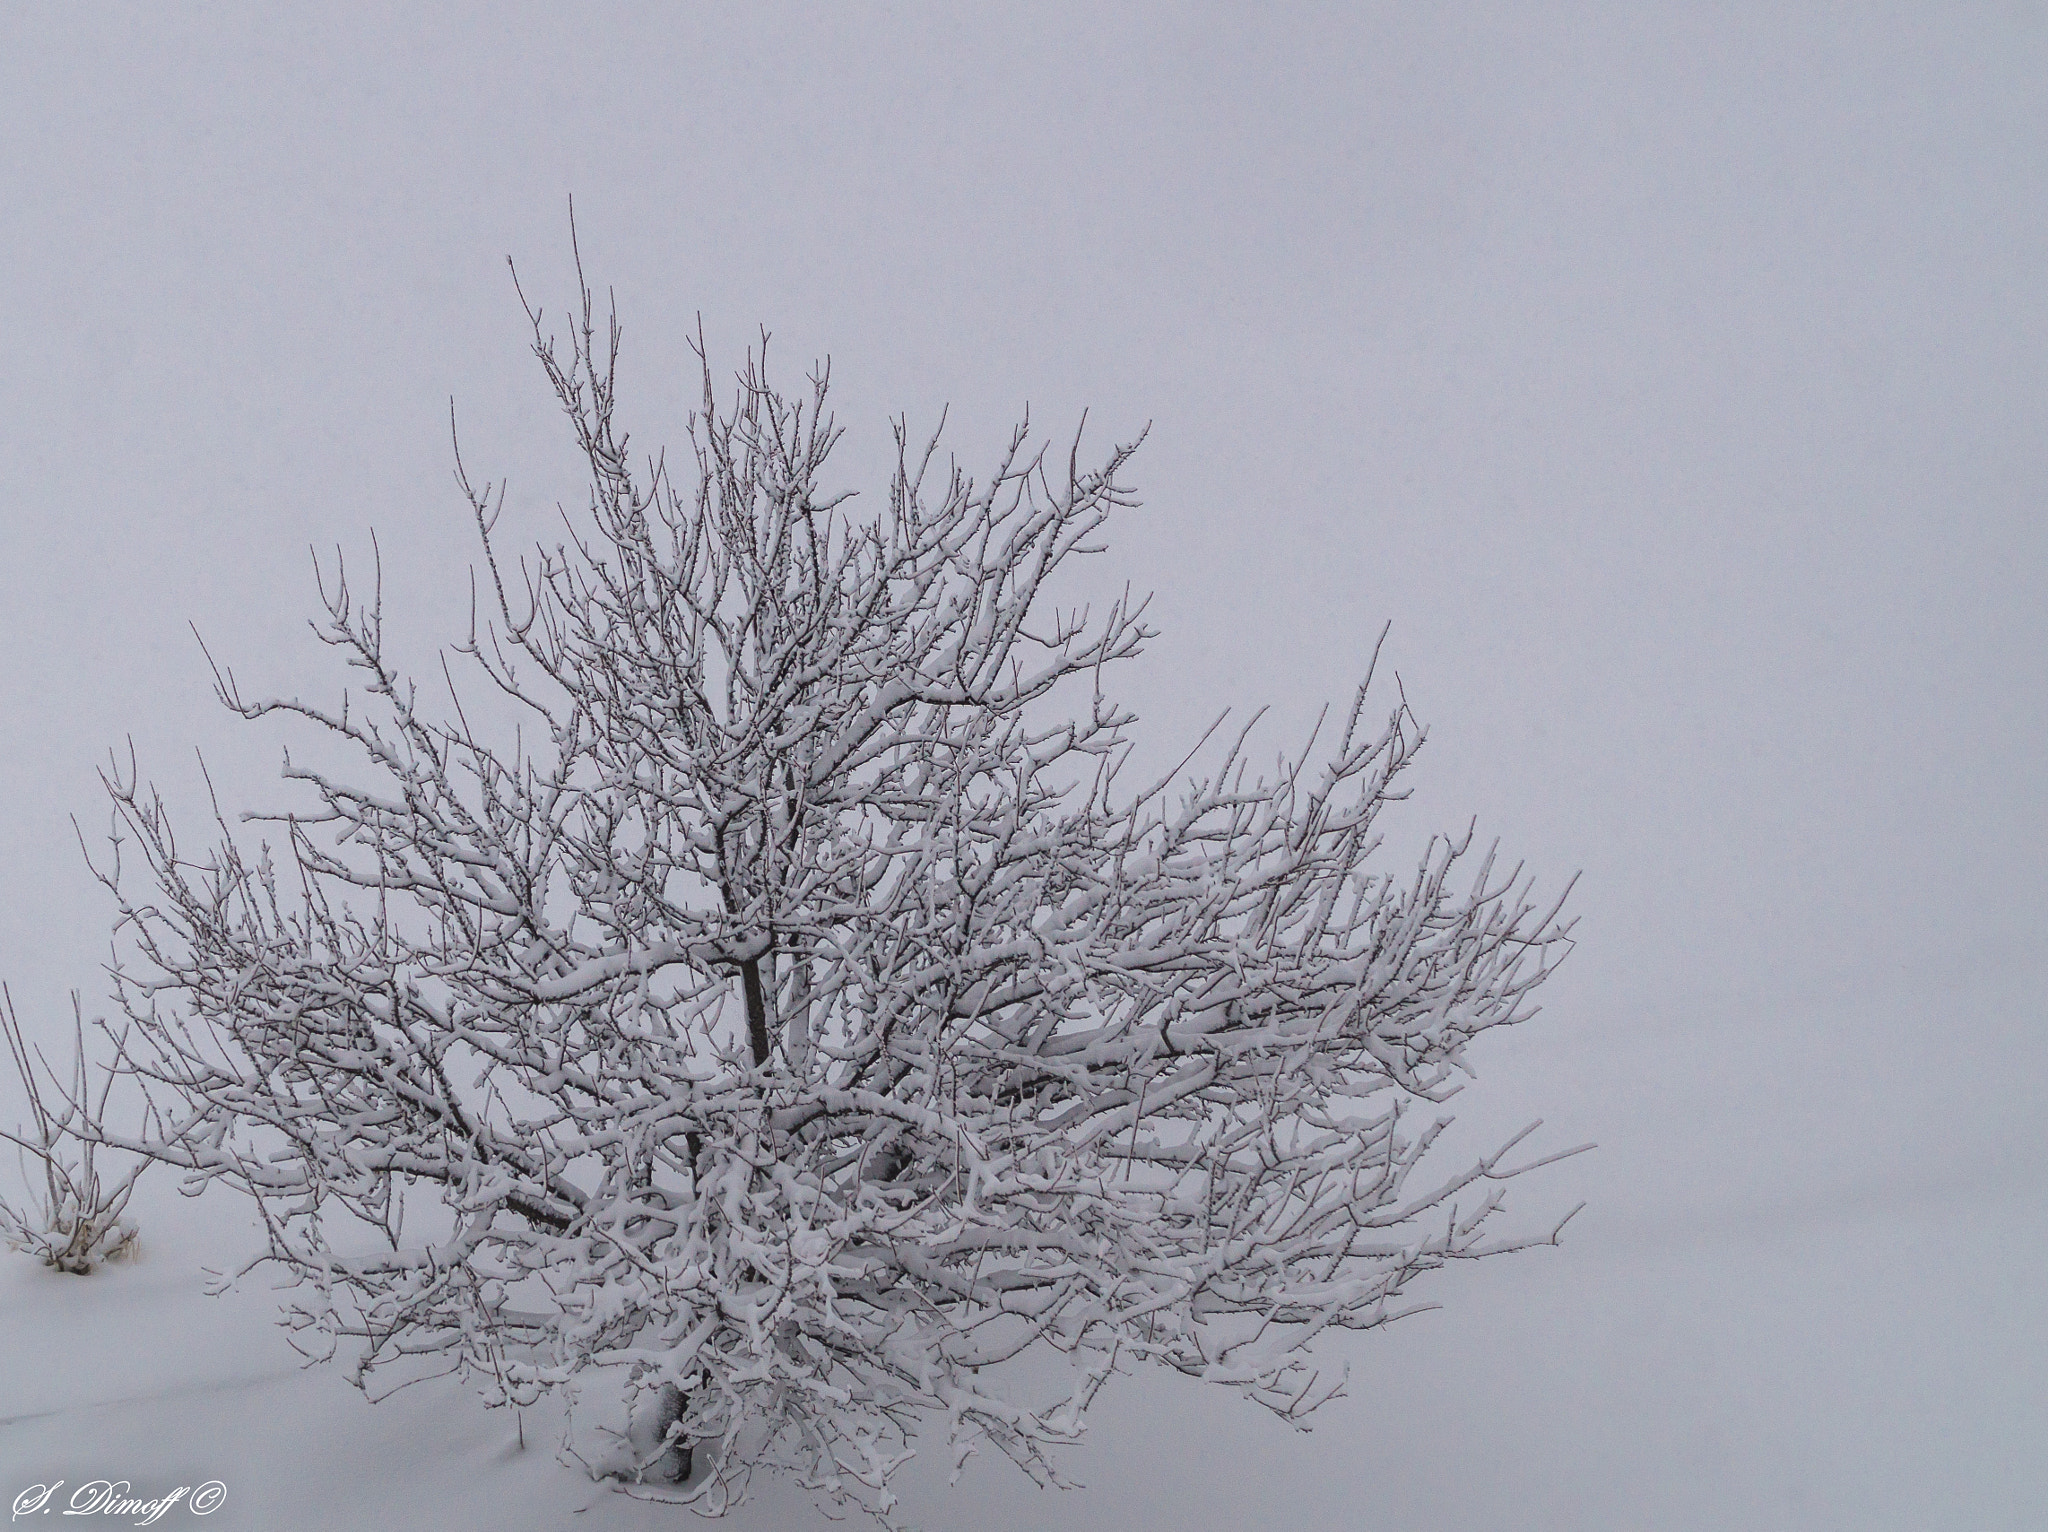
(757, 1009)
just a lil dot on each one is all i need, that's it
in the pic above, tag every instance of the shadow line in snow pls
(161, 1396)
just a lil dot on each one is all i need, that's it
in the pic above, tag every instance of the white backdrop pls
(1674, 385)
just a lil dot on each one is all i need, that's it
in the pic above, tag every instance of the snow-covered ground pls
(1675, 380)
(1723, 1341)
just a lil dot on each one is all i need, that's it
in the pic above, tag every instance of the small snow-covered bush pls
(75, 1220)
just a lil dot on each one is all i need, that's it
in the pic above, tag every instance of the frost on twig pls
(801, 1016)
(74, 1220)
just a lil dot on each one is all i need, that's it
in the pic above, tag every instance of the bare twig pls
(77, 1220)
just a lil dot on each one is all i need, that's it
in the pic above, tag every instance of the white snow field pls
(1674, 379)
(1747, 1327)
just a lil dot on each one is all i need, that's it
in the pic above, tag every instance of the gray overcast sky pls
(1673, 378)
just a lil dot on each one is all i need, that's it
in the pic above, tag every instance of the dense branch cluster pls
(806, 1018)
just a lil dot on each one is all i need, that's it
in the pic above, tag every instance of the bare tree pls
(805, 1019)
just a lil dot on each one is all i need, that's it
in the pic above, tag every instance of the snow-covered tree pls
(798, 1015)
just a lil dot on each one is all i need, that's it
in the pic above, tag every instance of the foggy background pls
(1672, 379)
